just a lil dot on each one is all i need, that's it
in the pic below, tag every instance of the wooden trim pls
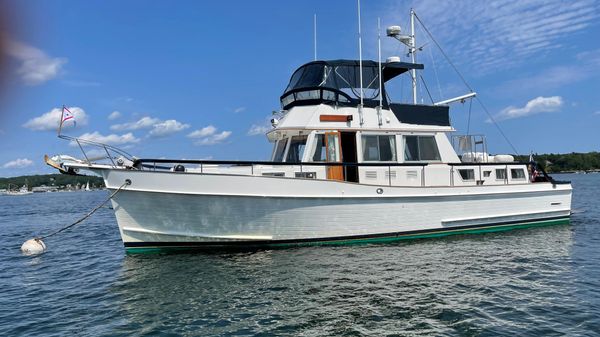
(335, 118)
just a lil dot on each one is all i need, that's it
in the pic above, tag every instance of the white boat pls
(347, 165)
(24, 190)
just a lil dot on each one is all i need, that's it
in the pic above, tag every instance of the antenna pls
(360, 107)
(409, 41)
(380, 79)
(315, 33)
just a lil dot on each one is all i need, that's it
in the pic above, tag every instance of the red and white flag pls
(66, 115)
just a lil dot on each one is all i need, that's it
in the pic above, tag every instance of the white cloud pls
(597, 112)
(18, 163)
(111, 139)
(158, 127)
(142, 123)
(114, 115)
(488, 36)
(214, 139)
(240, 109)
(51, 119)
(36, 67)
(167, 128)
(204, 132)
(256, 130)
(208, 136)
(534, 106)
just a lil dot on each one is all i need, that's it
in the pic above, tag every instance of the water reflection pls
(502, 283)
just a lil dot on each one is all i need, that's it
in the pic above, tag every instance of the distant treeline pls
(51, 180)
(566, 162)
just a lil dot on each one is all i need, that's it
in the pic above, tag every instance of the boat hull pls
(169, 210)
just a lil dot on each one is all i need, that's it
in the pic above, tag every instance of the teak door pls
(334, 155)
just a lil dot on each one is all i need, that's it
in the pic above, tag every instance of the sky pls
(200, 79)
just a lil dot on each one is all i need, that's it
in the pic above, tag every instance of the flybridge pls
(338, 81)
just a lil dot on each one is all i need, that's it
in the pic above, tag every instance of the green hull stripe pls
(384, 239)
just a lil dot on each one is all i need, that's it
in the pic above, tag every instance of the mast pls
(380, 79)
(413, 49)
(360, 107)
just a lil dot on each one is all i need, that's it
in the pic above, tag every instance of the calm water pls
(534, 282)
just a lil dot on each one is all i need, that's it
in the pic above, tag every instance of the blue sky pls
(199, 79)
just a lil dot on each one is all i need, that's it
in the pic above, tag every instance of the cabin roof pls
(389, 69)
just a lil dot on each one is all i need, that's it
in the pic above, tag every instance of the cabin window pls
(467, 174)
(320, 153)
(279, 149)
(500, 174)
(343, 99)
(379, 147)
(328, 95)
(333, 148)
(296, 149)
(418, 148)
(517, 174)
(310, 94)
(287, 99)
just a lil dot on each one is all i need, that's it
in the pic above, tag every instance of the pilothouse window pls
(379, 148)
(296, 150)
(420, 148)
(279, 149)
(320, 153)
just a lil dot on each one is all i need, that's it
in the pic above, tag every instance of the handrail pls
(487, 164)
(107, 148)
(138, 162)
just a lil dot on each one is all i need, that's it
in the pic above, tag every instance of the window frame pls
(513, 170)
(465, 170)
(284, 153)
(418, 136)
(501, 170)
(312, 139)
(394, 151)
(288, 146)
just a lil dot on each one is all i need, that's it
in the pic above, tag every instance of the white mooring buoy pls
(33, 247)
(36, 246)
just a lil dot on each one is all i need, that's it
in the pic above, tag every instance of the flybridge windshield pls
(345, 78)
(339, 80)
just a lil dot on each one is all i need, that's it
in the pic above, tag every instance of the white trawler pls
(348, 165)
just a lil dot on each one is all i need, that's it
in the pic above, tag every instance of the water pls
(543, 281)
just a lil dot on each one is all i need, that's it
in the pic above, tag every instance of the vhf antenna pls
(315, 33)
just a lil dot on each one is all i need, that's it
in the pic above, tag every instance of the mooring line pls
(126, 183)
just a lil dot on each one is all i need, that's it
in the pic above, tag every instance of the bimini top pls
(338, 81)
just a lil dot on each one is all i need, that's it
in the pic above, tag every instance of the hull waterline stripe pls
(375, 238)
